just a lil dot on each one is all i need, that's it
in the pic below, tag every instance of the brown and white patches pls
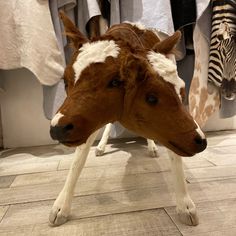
(137, 25)
(94, 52)
(167, 69)
(194, 97)
(203, 102)
(56, 118)
(206, 107)
(202, 135)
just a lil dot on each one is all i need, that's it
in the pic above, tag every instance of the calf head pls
(109, 81)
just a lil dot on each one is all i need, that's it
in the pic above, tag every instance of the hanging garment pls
(184, 18)
(151, 13)
(28, 40)
(222, 61)
(80, 12)
(203, 99)
(183, 12)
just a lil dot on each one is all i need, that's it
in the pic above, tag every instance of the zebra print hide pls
(222, 60)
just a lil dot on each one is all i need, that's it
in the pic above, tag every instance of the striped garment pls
(222, 60)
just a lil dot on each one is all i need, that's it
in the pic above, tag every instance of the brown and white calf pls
(125, 75)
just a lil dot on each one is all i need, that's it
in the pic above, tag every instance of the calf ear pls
(167, 45)
(73, 34)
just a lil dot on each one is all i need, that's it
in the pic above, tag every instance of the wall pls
(23, 121)
(215, 123)
(1, 135)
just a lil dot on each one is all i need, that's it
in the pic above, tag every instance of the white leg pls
(100, 149)
(61, 207)
(185, 207)
(152, 148)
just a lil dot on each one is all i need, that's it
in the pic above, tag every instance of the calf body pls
(125, 75)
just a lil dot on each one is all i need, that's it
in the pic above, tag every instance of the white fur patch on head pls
(94, 52)
(202, 135)
(167, 69)
(137, 24)
(56, 118)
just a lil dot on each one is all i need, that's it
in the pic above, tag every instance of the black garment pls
(183, 12)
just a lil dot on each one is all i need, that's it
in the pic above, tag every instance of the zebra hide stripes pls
(222, 60)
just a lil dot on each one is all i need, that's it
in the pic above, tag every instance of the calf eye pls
(151, 99)
(114, 83)
(65, 83)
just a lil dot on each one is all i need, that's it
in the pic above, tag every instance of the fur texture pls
(93, 53)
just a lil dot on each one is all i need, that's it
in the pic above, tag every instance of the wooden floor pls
(124, 192)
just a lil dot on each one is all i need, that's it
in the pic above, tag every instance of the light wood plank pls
(84, 186)
(153, 222)
(45, 151)
(26, 163)
(138, 156)
(215, 216)
(213, 191)
(113, 157)
(88, 173)
(32, 159)
(229, 232)
(21, 214)
(126, 201)
(111, 171)
(221, 138)
(6, 181)
(3, 210)
(224, 155)
(197, 161)
(90, 206)
(205, 192)
(18, 231)
(210, 173)
(41, 178)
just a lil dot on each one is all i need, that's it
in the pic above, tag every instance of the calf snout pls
(60, 132)
(200, 142)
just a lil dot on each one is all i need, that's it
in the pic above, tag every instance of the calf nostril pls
(69, 127)
(201, 143)
(198, 140)
(204, 142)
(60, 132)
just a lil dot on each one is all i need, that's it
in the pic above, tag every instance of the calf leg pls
(61, 207)
(100, 149)
(185, 207)
(152, 148)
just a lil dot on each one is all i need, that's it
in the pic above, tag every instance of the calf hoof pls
(153, 152)
(99, 151)
(189, 218)
(187, 212)
(57, 217)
